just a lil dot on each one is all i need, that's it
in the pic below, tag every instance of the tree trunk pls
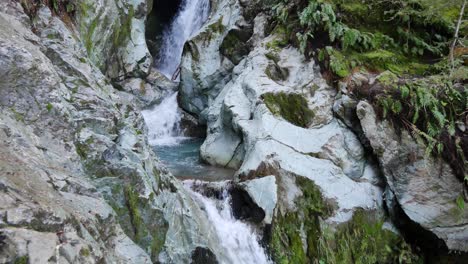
(455, 37)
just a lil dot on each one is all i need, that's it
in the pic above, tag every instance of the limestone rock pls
(264, 193)
(423, 186)
(78, 178)
(204, 71)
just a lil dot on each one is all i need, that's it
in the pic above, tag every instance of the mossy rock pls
(302, 237)
(364, 240)
(290, 230)
(22, 260)
(290, 106)
(149, 225)
(145, 225)
(235, 45)
(276, 73)
(218, 26)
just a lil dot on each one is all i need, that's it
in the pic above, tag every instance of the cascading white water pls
(189, 19)
(238, 240)
(163, 122)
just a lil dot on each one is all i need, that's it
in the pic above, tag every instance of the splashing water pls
(189, 19)
(163, 123)
(238, 240)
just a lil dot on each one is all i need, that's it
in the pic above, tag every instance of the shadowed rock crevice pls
(244, 208)
(203, 256)
(161, 15)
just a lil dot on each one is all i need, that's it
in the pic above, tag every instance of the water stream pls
(180, 154)
(238, 240)
(188, 20)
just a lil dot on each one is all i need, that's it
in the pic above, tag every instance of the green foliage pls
(286, 244)
(292, 107)
(363, 240)
(397, 32)
(22, 260)
(460, 202)
(430, 107)
(49, 107)
(301, 236)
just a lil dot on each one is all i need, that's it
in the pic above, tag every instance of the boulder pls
(263, 192)
(423, 186)
(204, 70)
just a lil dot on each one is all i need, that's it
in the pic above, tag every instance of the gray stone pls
(263, 191)
(423, 186)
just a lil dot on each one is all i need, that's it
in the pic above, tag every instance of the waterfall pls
(163, 122)
(238, 240)
(189, 19)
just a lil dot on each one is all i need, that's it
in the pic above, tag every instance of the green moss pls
(148, 224)
(276, 73)
(288, 231)
(18, 116)
(342, 63)
(364, 240)
(123, 30)
(339, 65)
(230, 42)
(49, 107)
(90, 33)
(388, 78)
(85, 252)
(273, 56)
(193, 50)
(235, 45)
(292, 107)
(132, 200)
(218, 26)
(361, 240)
(22, 260)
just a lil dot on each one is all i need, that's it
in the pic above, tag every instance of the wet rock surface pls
(253, 104)
(79, 181)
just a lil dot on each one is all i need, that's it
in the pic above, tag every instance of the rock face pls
(274, 116)
(270, 113)
(243, 133)
(204, 71)
(79, 182)
(264, 193)
(113, 34)
(424, 187)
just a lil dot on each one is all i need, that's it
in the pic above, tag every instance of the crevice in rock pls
(243, 207)
(414, 233)
(203, 256)
(236, 151)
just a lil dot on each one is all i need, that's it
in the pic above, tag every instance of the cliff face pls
(79, 182)
(270, 113)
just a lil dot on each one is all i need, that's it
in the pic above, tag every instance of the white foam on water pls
(238, 240)
(163, 123)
